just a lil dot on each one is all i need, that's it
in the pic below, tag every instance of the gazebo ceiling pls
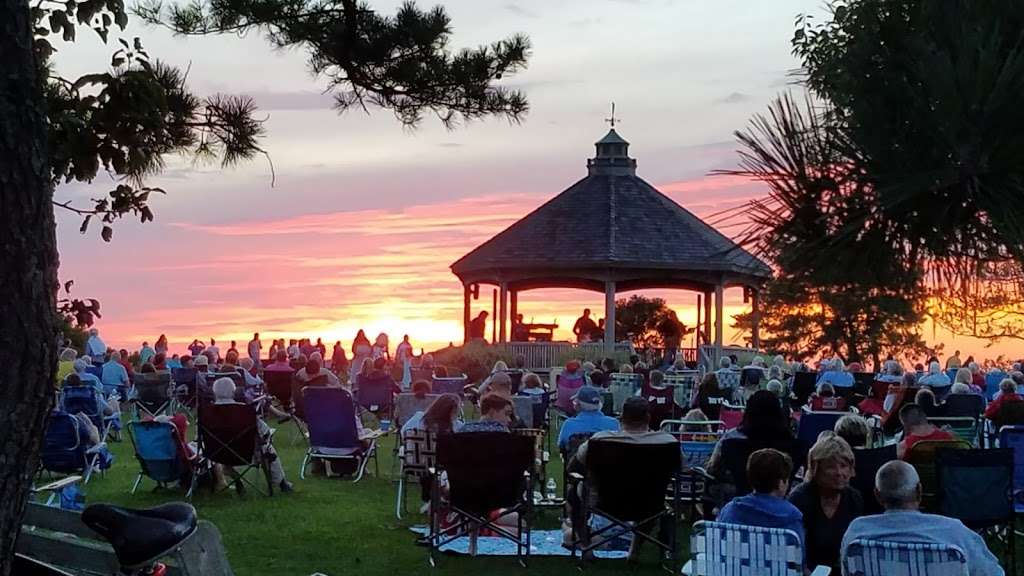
(611, 225)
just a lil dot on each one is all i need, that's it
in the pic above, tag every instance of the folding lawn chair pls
(152, 394)
(804, 384)
(717, 549)
(922, 457)
(330, 415)
(631, 482)
(419, 450)
(885, 558)
(683, 385)
(279, 386)
(86, 399)
(64, 451)
(867, 461)
(992, 380)
(976, 487)
(407, 405)
(377, 396)
(967, 428)
(622, 386)
(184, 381)
(813, 424)
(1012, 437)
(451, 385)
(488, 475)
(161, 456)
(228, 434)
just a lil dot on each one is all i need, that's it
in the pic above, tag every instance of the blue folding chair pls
(85, 399)
(719, 548)
(885, 558)
(331, 418)
(160, 455)
(992, 380)
(1012, 437)
(814, 423)
(64, 450)
(377, 396)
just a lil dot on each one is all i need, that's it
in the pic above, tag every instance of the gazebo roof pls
(611, 224)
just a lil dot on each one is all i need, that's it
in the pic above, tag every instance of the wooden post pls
(719, 320)
(707, 318)
(494, 316)
(513, 305)
(467, 295)
(609, 317)
(502, 311)
(755, 330)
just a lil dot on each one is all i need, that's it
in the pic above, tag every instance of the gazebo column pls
(609, 317)
(706, 339)
(755, 329)
(513, 306)
(467, 295)
(719, 320)
(502, 311)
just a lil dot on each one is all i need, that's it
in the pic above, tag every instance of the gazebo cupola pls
(612, 157)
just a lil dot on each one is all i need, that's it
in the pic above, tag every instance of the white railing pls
(544, 355)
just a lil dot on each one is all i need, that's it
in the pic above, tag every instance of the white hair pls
(896, 482)
(757, 361)
(837, 365)
(893, 368)
(224, 389)
(779, 361)
(246, 363)
(79, 366)
(974, 368)
(725, 362)
(774, 386)
(960, 388)
(1008, 386)
(316, 356)
(934, 368)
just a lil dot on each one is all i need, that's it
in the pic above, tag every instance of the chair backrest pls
(828, 404)
(992, 380)
(622, 386)
(1010, 414)
(376, 393)
(976, 486)
(516, 376)
(573, 444)
(867, 461)
(972, 405)
(236, 378)
(965, 427)
(683, 384)
(862, 382)
(297, 384)
(279, 385)
(331, 417)
(184, 376)
(885, 558)
(631, 479)
(228, 433)
(485, 469)
(156, 449)
(450, 385)
(407, 405)
(1012, 437)
(728, 379)
(566, 387)
(922, 457)
(804, 384)
(62, 451)
(720, 549)
(96, 370)
(750, 377)
(814, 423)
(153, 394)
(84, 399)
(419, 453)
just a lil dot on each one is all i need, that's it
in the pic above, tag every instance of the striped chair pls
(683, 384)
(623, 386)
(878, 558)
(719, 549)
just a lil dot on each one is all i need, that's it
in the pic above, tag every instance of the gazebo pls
(611, 232)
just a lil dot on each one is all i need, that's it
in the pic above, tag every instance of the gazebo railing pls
(544, 355)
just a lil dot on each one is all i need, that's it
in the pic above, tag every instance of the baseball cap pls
(588, 397)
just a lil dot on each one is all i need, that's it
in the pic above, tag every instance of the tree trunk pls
(28, 272)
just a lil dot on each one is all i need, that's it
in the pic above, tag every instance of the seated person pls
(224, 393)
(825, 400)
(442, 417)
(834, 372)
(107, 407)
(598, 379)
(709, 398)
(1007, 394)
(588, 418)
(768, 472)
(532, 385)
(81, 369)
(114, 377)
(495, 415)
(377, 375)
(898, 489)
(696, 415)
(635, 429)
(826, 499)
(936, 379)
(313, 370)
(925, 398)
(280, 363)
(854, 429)
(498, 383)
(420, 389)
(916, 428)
(660, 397)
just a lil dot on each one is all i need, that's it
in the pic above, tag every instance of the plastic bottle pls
(551, 489)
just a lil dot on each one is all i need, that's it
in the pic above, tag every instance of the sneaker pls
(286, 487)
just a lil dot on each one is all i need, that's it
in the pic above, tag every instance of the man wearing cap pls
(588, 418)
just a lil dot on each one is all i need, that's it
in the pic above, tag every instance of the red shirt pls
(937, 434)
(993, 408)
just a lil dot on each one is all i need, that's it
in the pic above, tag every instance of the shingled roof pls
(611, 219)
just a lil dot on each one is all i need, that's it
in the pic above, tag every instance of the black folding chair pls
(867, 461)
(228, 434)
(976, 487)
(487, 472)
(152, 394)
(627, 484)
(804, 384)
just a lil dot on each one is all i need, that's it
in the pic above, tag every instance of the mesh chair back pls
(228, 433)
(751, 377)
(156, 449)
(622, 386)
(153, 392)
(485, 469)
(631, 479)
(450, 385)
(419, 453)
(965, 428)
(867, 461)
(976, 486)
(1012, 437)
(330, 414)
(972, 405)
(878, 558)
(95, 370)
(407, 405)
(863, 382)
(720, 549)
(814, 423)
(922, 457)
(804, 384)
(63, 451)
(376, 393)
(517, 379)
(84, 399)
(683, 384)
(992, 380)
(279, 385)
(567, 387)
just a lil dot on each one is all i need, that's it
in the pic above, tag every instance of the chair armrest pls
(576, 476)
(688, 569)
(821, 571)
(699, 471)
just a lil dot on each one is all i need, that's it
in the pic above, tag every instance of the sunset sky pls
(365, 217)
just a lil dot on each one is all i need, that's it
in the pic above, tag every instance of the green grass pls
(327, 525)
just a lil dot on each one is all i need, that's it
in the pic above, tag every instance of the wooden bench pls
(45, 536)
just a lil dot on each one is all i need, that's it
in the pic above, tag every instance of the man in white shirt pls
(213, 350)
(254, 349)
(95, 347)
(114, 377)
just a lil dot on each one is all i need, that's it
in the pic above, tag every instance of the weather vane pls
(612, 119)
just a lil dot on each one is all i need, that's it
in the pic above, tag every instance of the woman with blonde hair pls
(827, 500)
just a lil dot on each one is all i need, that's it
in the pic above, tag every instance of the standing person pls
(381, 346)
(161, 345)
(254, 349)
(403, 357)
(953, 361)
(360, 353)
(339, 362)
(321, 348)
(94, 346)
(146, 353)
(233, 347)
(584, 326)
(306, 347)
(478, 326)
(213, 350)
(196, 348)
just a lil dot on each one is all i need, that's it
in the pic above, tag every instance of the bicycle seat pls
(141, 536)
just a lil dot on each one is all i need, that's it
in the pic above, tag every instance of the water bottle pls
(551, 489)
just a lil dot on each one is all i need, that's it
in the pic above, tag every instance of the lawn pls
(327, 525)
